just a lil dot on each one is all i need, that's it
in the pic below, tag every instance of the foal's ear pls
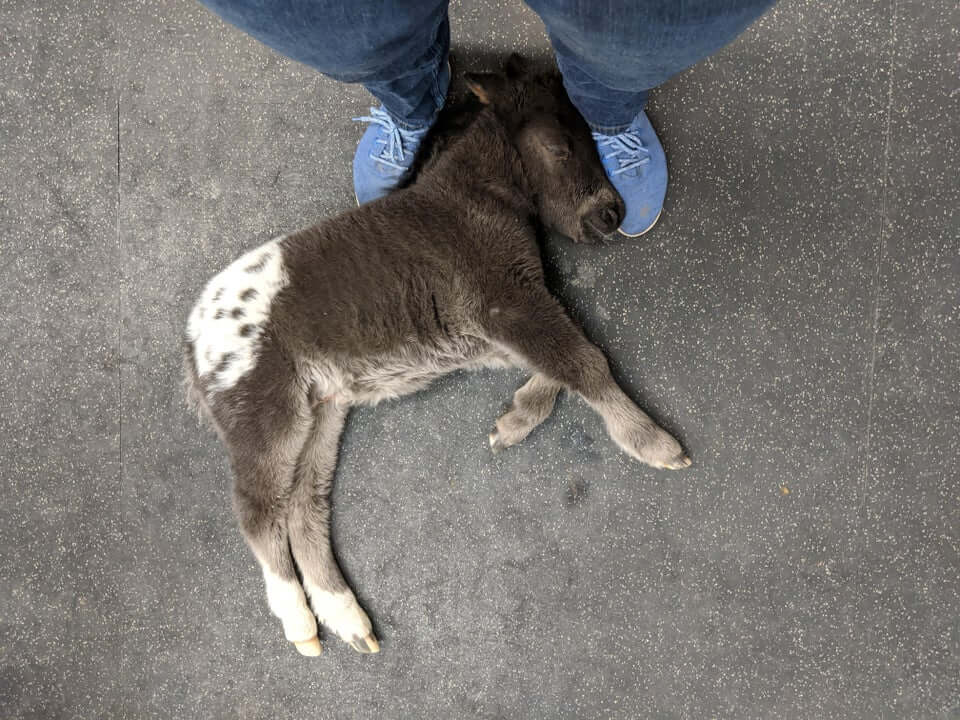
(516, 66)
(486, 86)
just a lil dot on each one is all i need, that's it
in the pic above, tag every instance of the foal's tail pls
(193, 387)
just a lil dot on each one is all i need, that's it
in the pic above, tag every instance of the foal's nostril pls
(609, 219)
(604, 218)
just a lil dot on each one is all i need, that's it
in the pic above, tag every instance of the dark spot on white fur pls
(247, 330)
(218, 294)
(259, 264)
(248, 294)
(219, 314)
(237, 313)
(222, 365)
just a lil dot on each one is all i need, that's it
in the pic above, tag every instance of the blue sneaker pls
(384, 155)
(637, 167)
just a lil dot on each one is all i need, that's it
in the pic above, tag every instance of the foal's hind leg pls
(264, 444)
(331, 597)
(264, 421)
(532, 404)
(266, 534)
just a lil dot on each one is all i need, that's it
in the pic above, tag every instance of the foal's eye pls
(559, 151)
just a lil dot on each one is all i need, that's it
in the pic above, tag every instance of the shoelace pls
(627, 148)
(392, 152)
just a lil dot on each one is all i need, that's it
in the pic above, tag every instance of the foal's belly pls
(369, 381)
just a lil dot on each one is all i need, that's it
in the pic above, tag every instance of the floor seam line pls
(119, 304)
(885, 179)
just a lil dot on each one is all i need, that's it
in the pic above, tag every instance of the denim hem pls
(609, 129)
(439, 99)
(411, 126)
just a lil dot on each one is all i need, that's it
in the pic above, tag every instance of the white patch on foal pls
(340, 612)
(227, 322)
(287, 602)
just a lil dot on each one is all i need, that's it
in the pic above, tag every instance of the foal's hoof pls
(678, 463)
(309, 648)
(496, 442)
(365, 645)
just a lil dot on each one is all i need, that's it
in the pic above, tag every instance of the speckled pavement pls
(794, 318)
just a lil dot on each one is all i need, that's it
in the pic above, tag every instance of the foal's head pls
(560, 161)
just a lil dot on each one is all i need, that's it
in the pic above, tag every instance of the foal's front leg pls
(532, 324)
(532, 404)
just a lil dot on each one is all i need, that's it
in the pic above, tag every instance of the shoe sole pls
(643, 232)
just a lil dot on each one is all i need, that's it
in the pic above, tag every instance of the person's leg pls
(396, 48)
(611, 54)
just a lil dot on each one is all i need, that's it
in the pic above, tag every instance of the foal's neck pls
(482, 162)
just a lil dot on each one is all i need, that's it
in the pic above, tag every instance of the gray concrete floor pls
(794, 318)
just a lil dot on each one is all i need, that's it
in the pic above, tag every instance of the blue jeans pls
(610, 53)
